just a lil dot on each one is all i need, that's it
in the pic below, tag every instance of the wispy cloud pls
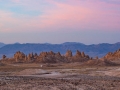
(45, 15)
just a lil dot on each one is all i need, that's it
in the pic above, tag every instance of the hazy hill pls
(92, 50)
(2, 44)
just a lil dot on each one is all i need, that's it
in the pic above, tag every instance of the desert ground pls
(62, 76)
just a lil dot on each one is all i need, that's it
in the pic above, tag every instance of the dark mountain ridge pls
(93, 50)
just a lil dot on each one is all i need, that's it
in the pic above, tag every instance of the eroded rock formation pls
(18, 56)
(68, 53)
(78, 54)
(113, 56)
(49, 57)
(80, 57)
(4, 56)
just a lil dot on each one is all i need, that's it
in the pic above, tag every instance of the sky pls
(59, 21)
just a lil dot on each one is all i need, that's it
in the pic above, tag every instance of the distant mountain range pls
(2, 44)
(93, 50)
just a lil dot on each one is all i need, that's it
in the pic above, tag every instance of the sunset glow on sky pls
(58, 21)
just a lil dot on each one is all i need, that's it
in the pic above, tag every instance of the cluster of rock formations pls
(79, 56)
(113, 56)
(49, 57)
(110, 59)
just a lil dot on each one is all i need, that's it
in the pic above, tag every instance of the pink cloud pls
(82, 17)
(71, 15)
(15, 1)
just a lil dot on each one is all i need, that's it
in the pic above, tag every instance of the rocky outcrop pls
(4, 56)
(49, 57)
(19, 56)
(35, 56)
(51, 53)
(68, 53)
(113, 56)
(83, 54)
(78, 54)
(45, 57)
(30, 57)
(80, 57)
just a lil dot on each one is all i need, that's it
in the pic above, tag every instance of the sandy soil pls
(28, 77)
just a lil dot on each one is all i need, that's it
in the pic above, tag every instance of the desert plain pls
(69, 76)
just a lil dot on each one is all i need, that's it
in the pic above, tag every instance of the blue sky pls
(58, 21)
